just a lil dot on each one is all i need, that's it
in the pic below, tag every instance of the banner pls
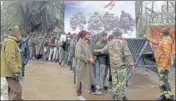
(97, 16)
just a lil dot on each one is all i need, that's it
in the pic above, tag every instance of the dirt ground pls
(49, 81)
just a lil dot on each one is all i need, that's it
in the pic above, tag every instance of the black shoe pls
(170, 99)
(115, 97)
(93, 89)
(124, 98)
(161, 98)
(106, 88)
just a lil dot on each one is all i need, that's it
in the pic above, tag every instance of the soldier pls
(95, 22)
(31, 46)
(37, 46)
(163, 59)
(11, 64)
(61, 50)
(73, 23)
(120, 59)
(126, 21)
(82, 21)
(46, 40)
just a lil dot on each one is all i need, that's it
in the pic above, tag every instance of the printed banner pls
(97, 16)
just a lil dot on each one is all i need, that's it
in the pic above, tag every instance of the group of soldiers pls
(108, 22)
(78, 20)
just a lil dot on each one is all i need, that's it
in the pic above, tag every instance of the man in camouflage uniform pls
(31, 46)
(163, 59)
(120, 59)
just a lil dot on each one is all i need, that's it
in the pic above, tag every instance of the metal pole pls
(137, 60)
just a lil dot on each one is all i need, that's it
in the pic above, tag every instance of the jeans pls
(103, 75)
(50, 53)
(97, 71)
(55, 53)
(46, 53)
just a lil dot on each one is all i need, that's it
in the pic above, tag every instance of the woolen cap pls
(117, 32)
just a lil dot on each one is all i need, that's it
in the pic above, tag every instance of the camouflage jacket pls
(119, 53)
(164, 52)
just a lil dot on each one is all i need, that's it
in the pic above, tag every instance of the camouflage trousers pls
(164, 84)
(119, 77)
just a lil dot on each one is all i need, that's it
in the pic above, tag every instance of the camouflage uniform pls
(163, 59)
(120, 58)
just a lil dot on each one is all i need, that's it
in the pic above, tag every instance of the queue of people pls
(98, 66)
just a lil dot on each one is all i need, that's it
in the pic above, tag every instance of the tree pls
(147, 14)
(30, 16)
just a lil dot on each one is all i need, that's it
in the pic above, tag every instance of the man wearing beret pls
(120, 59)
(11, 64)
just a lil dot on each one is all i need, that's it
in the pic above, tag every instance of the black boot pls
(161, 98)
(115, 97)
(170, 99)
(124, 98)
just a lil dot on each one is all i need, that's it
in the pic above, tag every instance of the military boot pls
(161, 98)
(115, 97)
(170, 99)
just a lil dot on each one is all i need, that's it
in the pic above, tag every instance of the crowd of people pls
(99, 63)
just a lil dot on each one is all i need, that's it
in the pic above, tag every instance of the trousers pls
(119, 77)
(103, 75)
(14, 89)
(164, 84)
(50, 53)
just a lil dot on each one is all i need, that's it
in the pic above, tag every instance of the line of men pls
(52, 47)
(62, 49)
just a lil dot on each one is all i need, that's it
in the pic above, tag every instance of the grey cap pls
(117, 32)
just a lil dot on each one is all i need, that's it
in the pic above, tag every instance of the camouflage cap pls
(117, 32)
(14, 29)
(165, 32)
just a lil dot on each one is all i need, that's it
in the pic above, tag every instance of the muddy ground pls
(49, 81)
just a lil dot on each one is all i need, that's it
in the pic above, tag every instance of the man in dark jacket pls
(102, 59)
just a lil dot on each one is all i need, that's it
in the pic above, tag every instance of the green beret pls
(14, 28)
(165, 32)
